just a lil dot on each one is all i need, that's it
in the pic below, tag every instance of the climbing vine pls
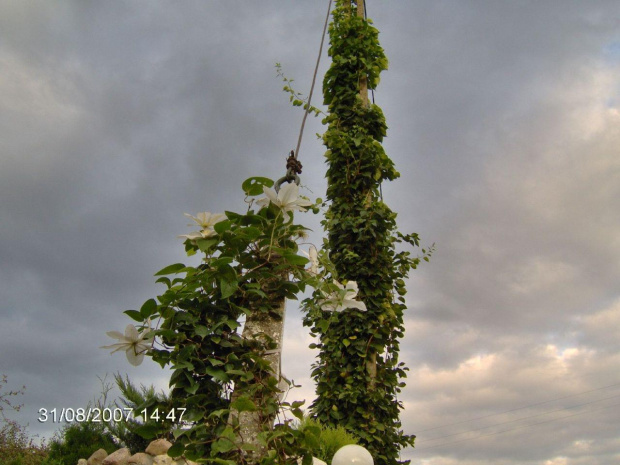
(250, 264)
(358, 372)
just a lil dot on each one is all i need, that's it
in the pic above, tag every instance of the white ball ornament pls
(352, 455)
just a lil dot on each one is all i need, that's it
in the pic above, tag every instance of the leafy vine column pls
(358, 373)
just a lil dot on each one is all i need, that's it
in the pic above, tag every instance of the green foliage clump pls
(79, 440)
(16, 447)
(137, 432)
(329, 439)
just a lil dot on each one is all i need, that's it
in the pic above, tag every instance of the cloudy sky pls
(117, 117)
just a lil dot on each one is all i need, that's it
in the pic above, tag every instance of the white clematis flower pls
(287, 199)
(313, 255)
(204, 234)
(343, 298)
(132, 342)
(205, 220)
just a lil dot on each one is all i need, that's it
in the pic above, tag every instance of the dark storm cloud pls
(116, 118)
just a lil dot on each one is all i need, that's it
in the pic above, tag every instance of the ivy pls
(358, 373)
(297, 99)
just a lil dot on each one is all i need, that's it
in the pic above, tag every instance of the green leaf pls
(218, 374)
(148, 308)
(222, 226)
(193, 415)
(164, 280)
(201, 330)
(190, 249)
(221, 446)
(176, 450)
(254, 185)
(243, 404)
(225, 442)
(228, 276)
(192, 389)
(167, 334)
(221, 263)
(295, 259)
(224, 462)
(147, 431)
(170, 269)
(167, 312)
(232, 324)
(175, 375)
(228, 288)
(323, 325)
(205, 244)
(184, 364)
(134, 315)
(250, 232)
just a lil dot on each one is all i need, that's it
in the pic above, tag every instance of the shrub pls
(329, 439)
(16, 448)
(78, 441)
(136, 433)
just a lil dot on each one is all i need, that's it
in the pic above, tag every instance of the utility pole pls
(361, 12)
(259, 327)
(371, 361)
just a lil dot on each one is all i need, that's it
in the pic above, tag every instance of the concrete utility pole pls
(259, 326)
(371, 360)
(363, 79)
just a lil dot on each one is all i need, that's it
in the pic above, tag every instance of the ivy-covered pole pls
(358, 373)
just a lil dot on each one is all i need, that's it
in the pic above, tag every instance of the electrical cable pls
(293, 166)
(316, 69)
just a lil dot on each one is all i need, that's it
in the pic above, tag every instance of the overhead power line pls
(316, 69)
